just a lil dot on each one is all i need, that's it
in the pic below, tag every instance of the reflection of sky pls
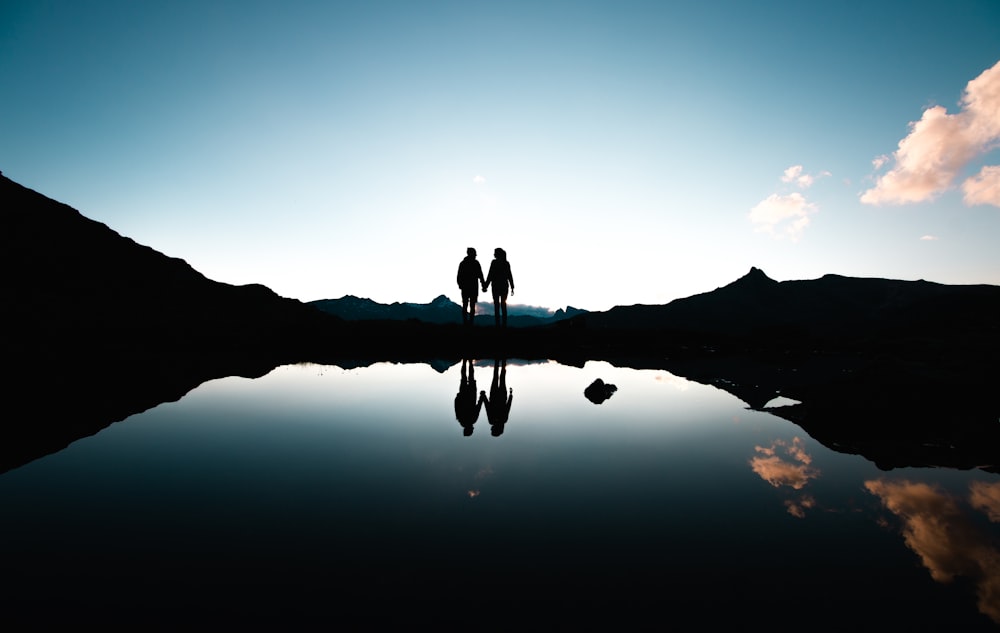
(654, 478)
(942, 531)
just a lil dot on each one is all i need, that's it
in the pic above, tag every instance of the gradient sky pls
(620, 152)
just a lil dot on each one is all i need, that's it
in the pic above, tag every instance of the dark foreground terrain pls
(100, 328)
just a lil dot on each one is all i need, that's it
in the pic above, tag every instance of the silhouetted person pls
(498, 404)
(466, 406)
(470, 276)
(502, 280)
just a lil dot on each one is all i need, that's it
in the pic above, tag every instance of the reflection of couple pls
(470, 277)
(467, 405)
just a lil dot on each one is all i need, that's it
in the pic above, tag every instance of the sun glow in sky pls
(620, 152)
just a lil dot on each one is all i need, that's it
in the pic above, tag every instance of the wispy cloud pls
(783, 215)
(930, 159)
(787, 215)
(928, 238)
(797, 176)
(479, 179)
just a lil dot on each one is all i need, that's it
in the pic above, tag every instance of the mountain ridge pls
(101, 327)
(830, 307)
(440, 310)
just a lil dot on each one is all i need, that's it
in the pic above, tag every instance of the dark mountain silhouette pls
(76, 284)
(100, 327)
(830, 308)
(898, 371)
(440, 310)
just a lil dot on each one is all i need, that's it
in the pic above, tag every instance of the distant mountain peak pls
(756, 274)
(440, 310)
(756, 278)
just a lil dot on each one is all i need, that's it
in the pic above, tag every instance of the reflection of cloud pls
(680, 384)
(798, 508)
(777, 471)
(793, 473)
(986, 497)
(929, 159)
(944, 537)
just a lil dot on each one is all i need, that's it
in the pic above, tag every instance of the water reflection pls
(670, 494)
(501, 397)
(787, 464)
(939, 527)
(468, 401)
(943, 532)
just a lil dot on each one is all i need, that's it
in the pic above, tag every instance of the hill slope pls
(74, 283)
(830, 308)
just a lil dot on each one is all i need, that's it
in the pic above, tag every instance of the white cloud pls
(794, 174)
(791, 173)
(928, 238)
(479, 180)
(783, 216)
(984, 187)
(939, 146)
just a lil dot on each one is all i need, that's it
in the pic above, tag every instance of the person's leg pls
(496, 309)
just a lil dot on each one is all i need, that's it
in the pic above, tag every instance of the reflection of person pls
(501, 277)
(470, 275)
(498, 404)
(466, 406)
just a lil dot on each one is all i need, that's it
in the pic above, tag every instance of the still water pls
(319, 492)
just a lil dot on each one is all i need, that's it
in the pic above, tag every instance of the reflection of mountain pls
(891, 410)
(100, 327)
(441, 310)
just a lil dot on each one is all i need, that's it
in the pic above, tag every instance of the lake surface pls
(319, 493)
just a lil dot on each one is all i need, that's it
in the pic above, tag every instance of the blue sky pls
(620, 152)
